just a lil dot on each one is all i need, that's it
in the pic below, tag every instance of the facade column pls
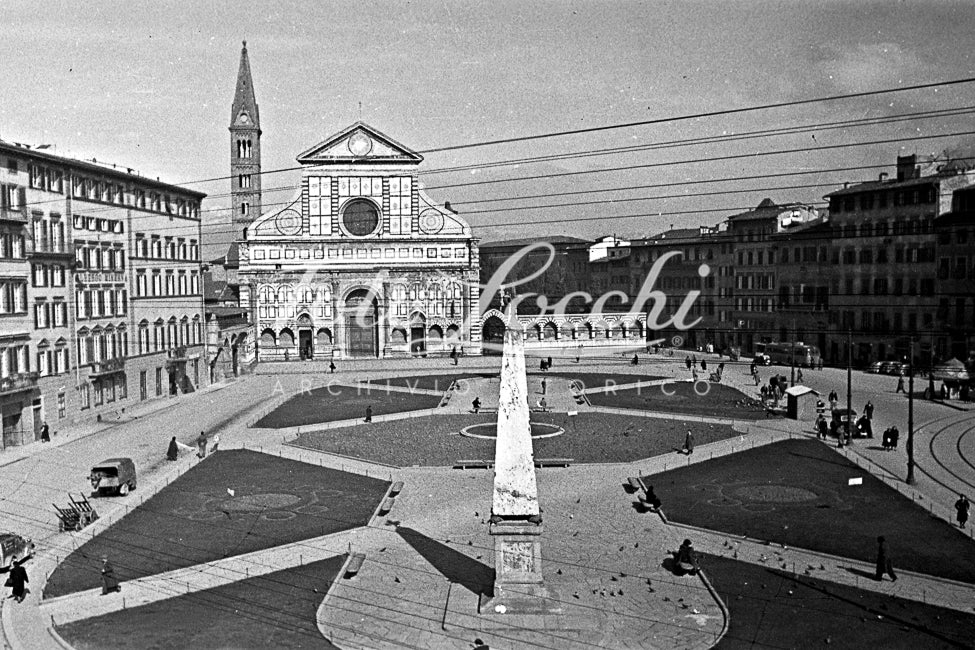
(383, 317)
(338, 319)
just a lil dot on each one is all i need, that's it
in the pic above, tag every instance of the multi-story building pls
(362, 262)
(955, 283)
(883, 250)
(99, 285)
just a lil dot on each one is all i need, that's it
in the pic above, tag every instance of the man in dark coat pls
(884, 565)
(201, 445)
(868, 410)
(173, 452)
(961, 508)
(109, 581)
(17, 580)
(369, 413)
(45, 433)
(476, 404)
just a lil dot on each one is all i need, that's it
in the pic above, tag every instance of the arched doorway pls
(418, 334)
(306, 345)
(362, 339)
(492, 335)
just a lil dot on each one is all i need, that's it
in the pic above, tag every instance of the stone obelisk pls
(516, 522)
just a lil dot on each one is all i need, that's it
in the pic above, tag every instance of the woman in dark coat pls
(109, 581)
(17, 580)
(173, 452)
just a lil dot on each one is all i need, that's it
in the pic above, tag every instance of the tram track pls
(945, 468)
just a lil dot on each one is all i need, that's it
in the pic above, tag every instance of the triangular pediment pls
(359, 143)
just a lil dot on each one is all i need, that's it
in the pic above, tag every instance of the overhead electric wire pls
(695, 116)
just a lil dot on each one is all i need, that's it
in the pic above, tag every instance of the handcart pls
(76, 515)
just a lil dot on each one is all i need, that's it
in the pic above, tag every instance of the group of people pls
(690, 362)
(889, 439)
(202, 442)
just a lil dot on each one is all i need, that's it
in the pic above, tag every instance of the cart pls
(76, 515)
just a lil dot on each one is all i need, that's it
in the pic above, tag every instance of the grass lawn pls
(195, 520)
(272, 611)
(796, 493)
(720, 401)
(331, 403)
(439, 382)
(434, 440)
(769, 609)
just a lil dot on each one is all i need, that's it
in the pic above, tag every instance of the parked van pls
(113, 476)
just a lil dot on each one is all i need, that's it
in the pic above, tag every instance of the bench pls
(474, 464)
(396, 488)
(387, 505)
(355, 563)
(553, 462)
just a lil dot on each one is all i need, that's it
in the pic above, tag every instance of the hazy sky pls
(150, 85)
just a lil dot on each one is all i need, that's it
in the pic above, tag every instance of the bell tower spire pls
(245, 151)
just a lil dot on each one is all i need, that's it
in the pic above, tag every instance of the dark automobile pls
(113, 476)
(13, 546)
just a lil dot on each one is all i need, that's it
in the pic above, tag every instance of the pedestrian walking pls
(548, 365)
(687, 362)
(868, 410)
(885, 440)
(331, 367)
(369, 413)
(799, 375)
(753, 368)
(543, 386)
(109, 581)
(704, 365)
(688, 443)
(17, 581)
(45, 433)
(833, 399)
(961, 508)
(755, 377)
(476, 404)
(820, 426)
(201, 445)
(578, 352)
(894, 435)
(900, 385)
(884, 564)
(173, 452)
(453, 355)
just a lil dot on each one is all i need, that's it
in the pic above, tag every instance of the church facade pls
(361, 262)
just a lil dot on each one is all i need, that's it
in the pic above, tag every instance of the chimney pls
(883, 176)
(907, 168)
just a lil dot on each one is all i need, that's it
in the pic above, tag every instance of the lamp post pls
(910, 416)
(792, 354)
(849, 383)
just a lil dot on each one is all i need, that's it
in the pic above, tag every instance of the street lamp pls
(910, 416)
(849, 383)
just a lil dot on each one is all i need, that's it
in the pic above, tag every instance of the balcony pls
(14, 215)
(24, 381)
(107, 367)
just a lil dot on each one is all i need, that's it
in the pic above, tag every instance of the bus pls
(805, 355)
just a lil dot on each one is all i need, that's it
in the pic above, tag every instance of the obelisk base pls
(518, 585)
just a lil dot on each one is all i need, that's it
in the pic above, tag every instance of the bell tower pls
(245, 151)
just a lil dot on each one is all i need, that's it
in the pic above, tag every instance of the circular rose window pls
(360, 217)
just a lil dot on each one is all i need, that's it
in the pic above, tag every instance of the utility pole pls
(792, 354)
(849, 383)
(910, 416)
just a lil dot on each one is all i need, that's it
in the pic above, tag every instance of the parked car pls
(898, 368)
(113, 476)
(840, 417)
(879, 367)
(762, 359)
(14, 546)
